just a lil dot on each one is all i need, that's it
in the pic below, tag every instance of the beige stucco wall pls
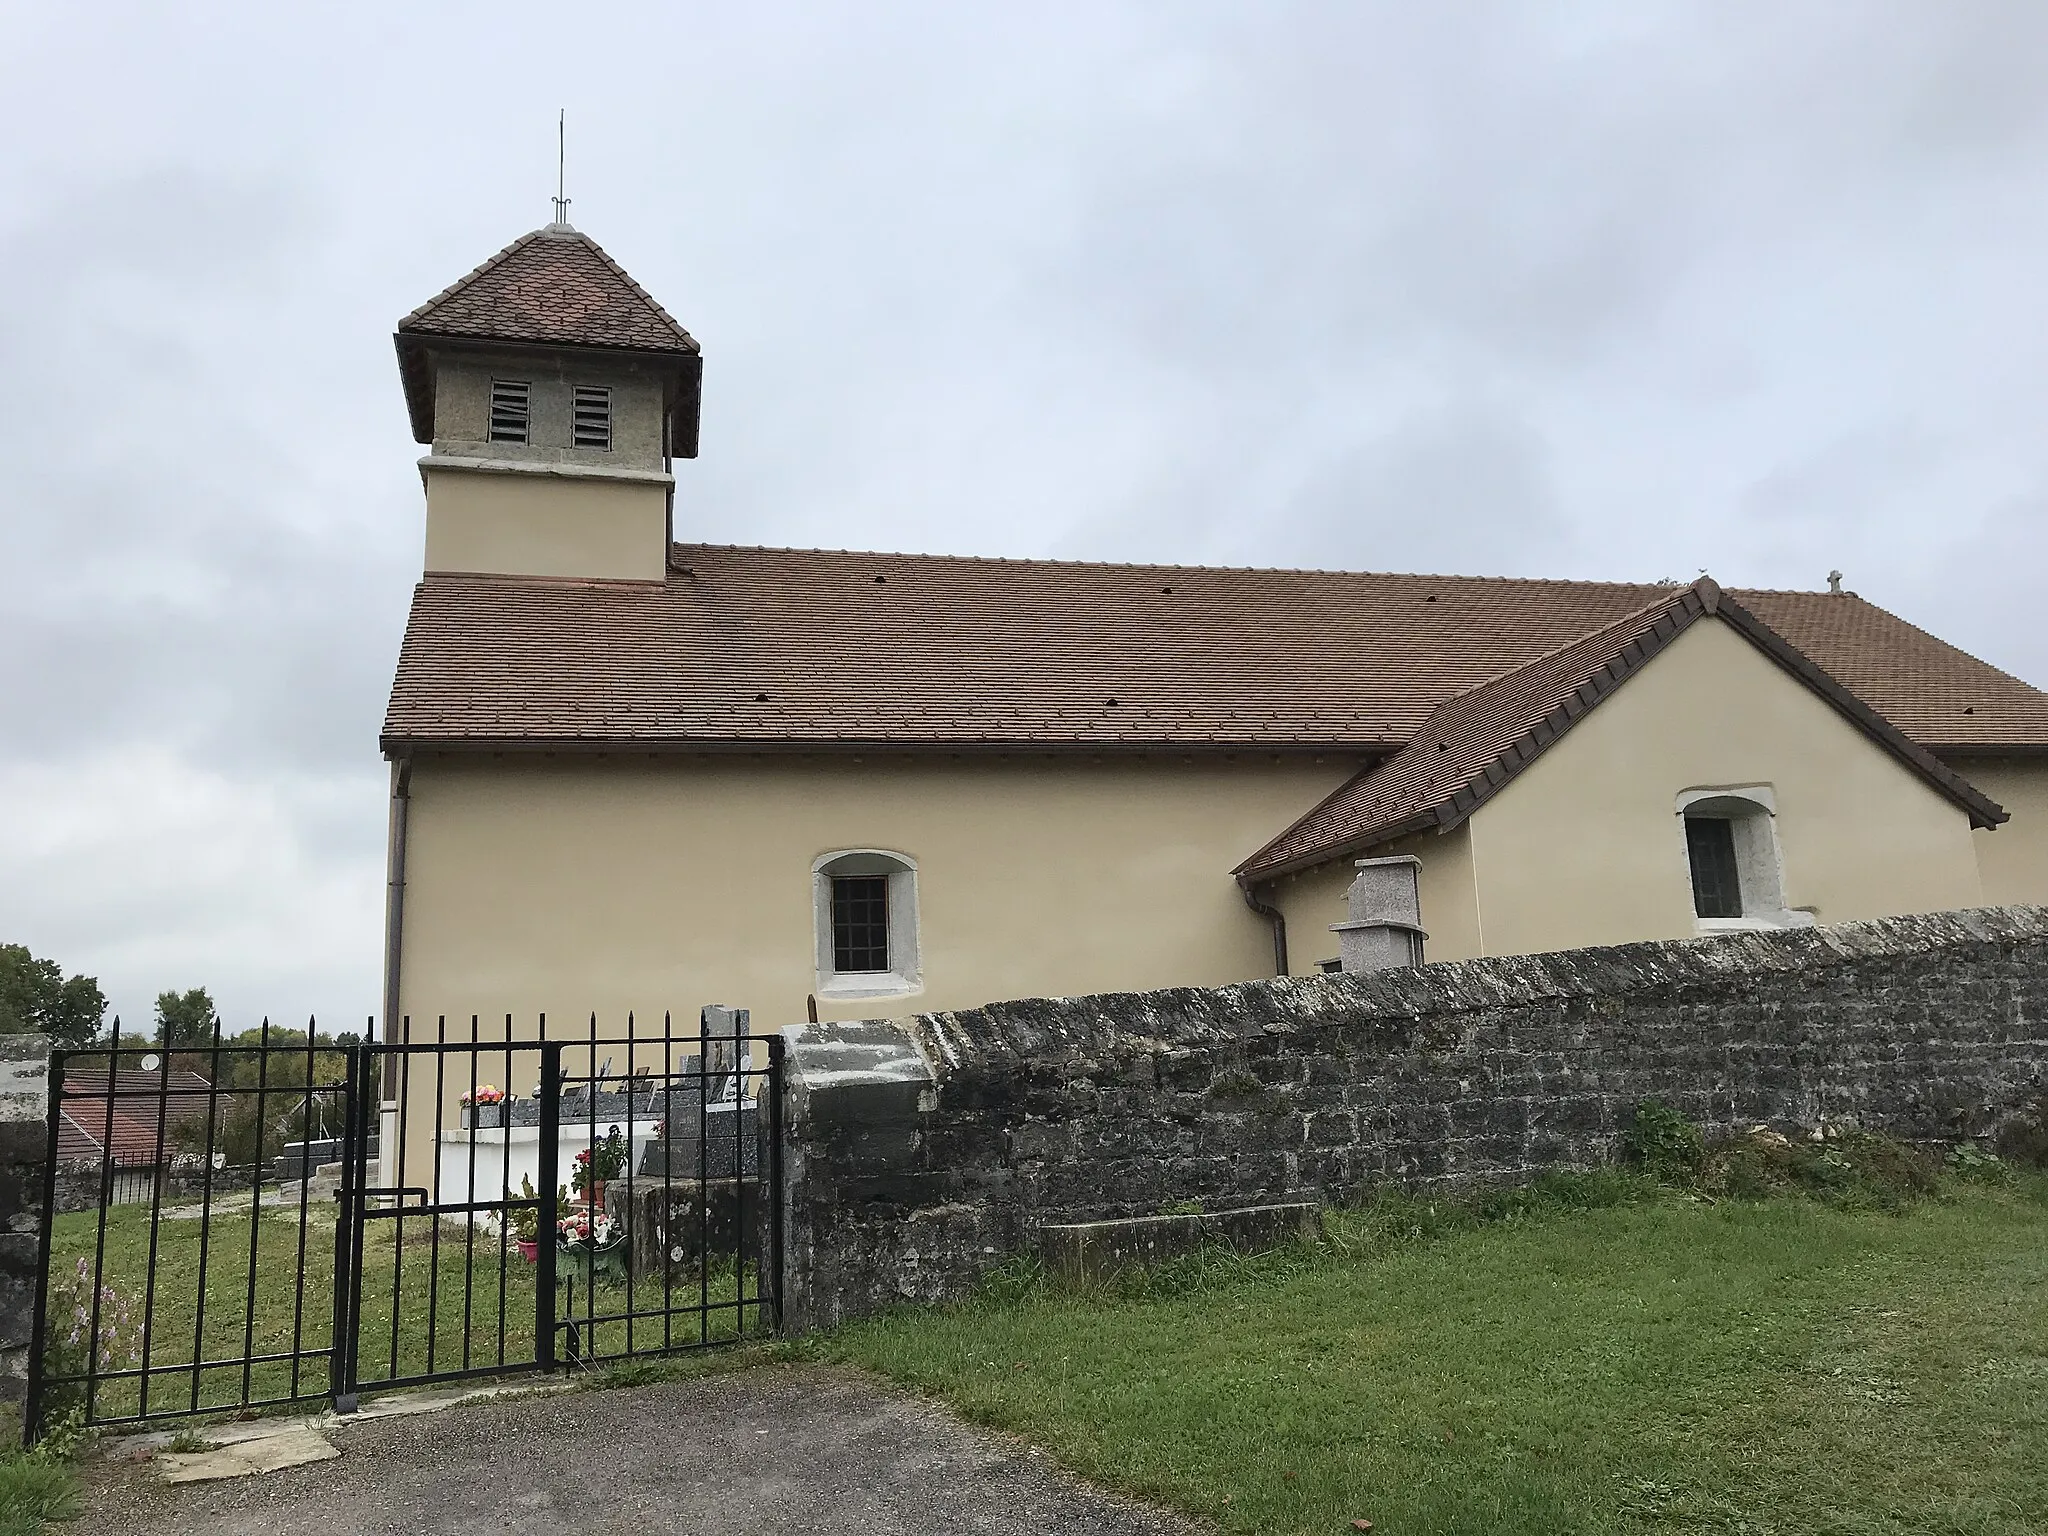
(2012, 859)
(568, 885)
(1314, 899)
(525, 523)
(1585, 846)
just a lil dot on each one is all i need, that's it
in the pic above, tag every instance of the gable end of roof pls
(1298, 848)
(1982, 809)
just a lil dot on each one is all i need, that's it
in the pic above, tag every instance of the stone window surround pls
(1753, 809)
(904, 977)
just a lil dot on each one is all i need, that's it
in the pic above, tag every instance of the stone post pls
(24, 1175)
(855, 1095)
(1383, 926)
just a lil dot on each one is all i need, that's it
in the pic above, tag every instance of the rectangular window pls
(593, 417)
(860, 922)
(511, 409)
(1716, 882)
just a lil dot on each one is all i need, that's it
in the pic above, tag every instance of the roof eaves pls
(1249, 874)
(399, 744)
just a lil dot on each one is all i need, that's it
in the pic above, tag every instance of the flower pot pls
(483, 1116)
(588, 1262)
(529, 1251)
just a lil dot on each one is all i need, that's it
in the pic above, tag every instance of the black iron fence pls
(326, 1221)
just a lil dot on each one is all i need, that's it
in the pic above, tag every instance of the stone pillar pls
(1383, 926)
(855, 1095)
(24, 1174)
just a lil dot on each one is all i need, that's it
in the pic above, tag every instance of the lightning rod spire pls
(561, 169)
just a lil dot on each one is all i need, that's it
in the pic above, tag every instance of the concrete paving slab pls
(298, 1446)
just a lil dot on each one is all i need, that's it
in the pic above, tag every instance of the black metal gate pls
(273, 1219)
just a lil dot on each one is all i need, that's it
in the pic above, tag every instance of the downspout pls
(1274, 916)
(394, 899)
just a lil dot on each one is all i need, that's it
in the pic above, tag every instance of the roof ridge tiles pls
(1069, 562)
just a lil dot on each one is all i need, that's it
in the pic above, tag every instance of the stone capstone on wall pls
(921, 1154)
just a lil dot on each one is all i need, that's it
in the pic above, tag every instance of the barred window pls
(1731, 853)
(866, 904)
(1716, 878)
(593, 427)
(511, 410)
(860, 922)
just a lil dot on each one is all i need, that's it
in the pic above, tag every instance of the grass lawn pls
(447, 1311)
(34, 1491)
(1664, 1366)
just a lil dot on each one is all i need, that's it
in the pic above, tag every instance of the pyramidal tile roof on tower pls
(555, 286)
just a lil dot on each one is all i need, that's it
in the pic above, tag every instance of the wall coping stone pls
(1188, 1018)
(24, 1077)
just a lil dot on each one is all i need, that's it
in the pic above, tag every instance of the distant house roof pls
(809, 649)
(89, 1123)
(83, 1134)
(554, 287)
(1481, 738)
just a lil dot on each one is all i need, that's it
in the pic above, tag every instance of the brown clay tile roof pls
(1942, 697)
(554, 286)
(1481, 738)
(83, 1128)
(82, 1133)
(918, 649)
(796, 648)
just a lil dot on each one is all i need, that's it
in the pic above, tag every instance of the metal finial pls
(561, 167)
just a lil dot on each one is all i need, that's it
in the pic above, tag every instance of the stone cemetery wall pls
(919, 1155)
(24, 1148)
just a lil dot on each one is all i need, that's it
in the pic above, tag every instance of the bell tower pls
(555, 396)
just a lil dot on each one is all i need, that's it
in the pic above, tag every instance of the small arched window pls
(865, 905)
(1731, 850)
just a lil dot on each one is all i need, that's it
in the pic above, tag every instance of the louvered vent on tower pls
(511, 410)
(593, 417)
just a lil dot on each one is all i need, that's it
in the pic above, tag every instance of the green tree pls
(184, 1020)
(36, 999)
(267, 1102)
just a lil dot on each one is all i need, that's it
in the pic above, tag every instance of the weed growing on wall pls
(1669, 1146)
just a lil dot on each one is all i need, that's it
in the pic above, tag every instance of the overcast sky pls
(1617, 290)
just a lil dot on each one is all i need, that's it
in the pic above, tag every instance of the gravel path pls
(782, 1449)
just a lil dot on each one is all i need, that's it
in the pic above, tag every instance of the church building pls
(632, 769)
